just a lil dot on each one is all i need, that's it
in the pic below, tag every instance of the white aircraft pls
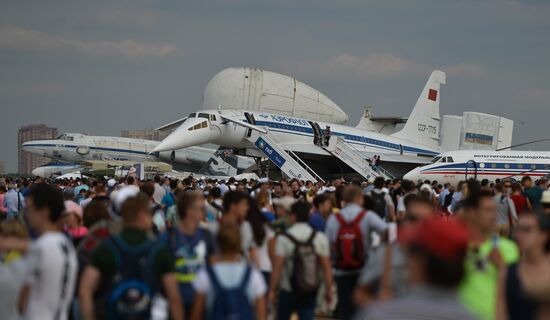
(56, 169)
(72, 149)
(455, 166)
(279, 138)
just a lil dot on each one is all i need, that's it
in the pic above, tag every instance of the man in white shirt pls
(159, 191)
(283, 264)
(13, 201)
(50, 260)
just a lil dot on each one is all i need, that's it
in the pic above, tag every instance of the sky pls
(101, 66)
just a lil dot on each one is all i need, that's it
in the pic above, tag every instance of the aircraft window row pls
(509, 166)
(201, 125)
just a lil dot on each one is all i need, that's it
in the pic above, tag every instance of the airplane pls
(55, 168)
(78, 149)
(456, 166)
(277, 136)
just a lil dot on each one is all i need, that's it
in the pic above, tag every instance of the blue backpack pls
(132, 288)
(233, 303)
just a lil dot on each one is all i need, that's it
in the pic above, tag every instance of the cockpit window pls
(436, 159)
(201, 125)
(65, 137)
(203, 115)
(450, 159)
(212, 117)
(192, 115)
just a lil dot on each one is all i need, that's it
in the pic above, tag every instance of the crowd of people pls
(208, 249)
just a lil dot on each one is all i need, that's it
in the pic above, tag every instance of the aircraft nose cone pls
(192, 132)
(411, 175)
(30, 146)
(172, 142)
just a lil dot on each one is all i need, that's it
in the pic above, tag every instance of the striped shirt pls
(422, 303)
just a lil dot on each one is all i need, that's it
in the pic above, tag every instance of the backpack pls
(379, 203)
(132, 288)
(233, 303)
(304, 279)
(350, 251)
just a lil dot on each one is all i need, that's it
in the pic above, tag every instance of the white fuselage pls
(456, 166)
(291, 133)
(79, 148)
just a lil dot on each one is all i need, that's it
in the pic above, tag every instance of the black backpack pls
(379, 203)
(132, 288)
(304, 278)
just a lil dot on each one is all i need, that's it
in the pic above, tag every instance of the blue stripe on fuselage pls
(48, 145)
(493, 166)
(361, 140)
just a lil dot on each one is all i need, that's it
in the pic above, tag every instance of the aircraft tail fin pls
(222, 163)
(423, 123)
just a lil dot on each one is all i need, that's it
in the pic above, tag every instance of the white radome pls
(261, 90)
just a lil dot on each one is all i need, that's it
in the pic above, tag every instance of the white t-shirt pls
(159, 193)
(263, 252)
(52, 267)
(230, 275)
(401, 203)
(284, 247)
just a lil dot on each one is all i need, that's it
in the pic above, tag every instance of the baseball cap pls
(118, 198)
(111, 183)
(447, 240)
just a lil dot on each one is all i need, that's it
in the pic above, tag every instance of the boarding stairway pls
(286, 160)
(339, 148)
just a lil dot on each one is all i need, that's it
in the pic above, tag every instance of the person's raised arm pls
(89, 283)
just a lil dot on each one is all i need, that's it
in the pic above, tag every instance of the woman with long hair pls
(525, 287)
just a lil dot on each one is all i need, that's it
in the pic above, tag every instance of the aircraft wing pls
(172, 125)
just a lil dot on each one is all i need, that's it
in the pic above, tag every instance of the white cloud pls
(20, 38)
(375, 66)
